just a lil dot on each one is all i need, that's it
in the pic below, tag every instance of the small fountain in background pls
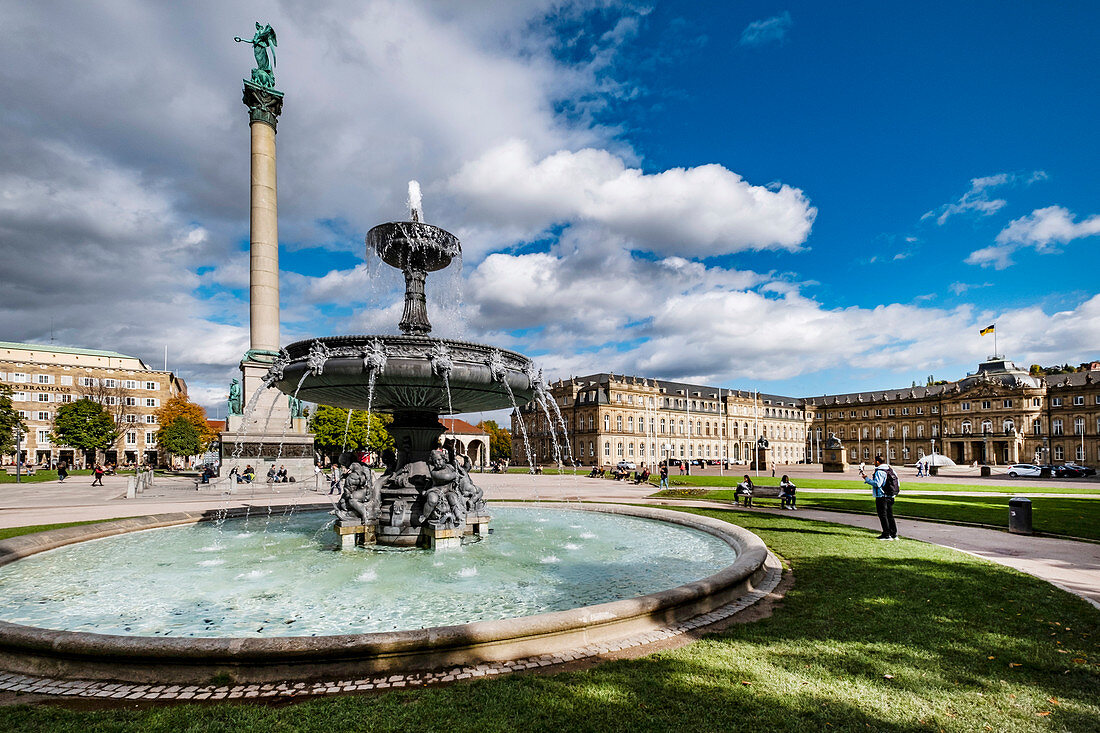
(426, 496)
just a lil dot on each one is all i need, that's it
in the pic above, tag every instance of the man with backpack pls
(884, 486)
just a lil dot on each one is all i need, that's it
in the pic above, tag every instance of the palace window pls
(630, 424)
(607, 450)
(1008, 426)
(43, 396)
(920, 430)
(964, 406)
(878, 413)
(1056, 429)
(1079, 400)
(43, 437)
(920, 410)
(152, 385)
(935, 409)
(619, 450)
(878, 431)
(110, 383)
(967, 427)
(606, 423)
(935, 430)
(43, 416)
(1055, 401)
(987, 426)
(130, 384)
(1059, 453)
(630, 449)
(662, 426)
(1037, 402)
(131, 438)
(1079, 426)
(131, 401)
(151, 419)
(1079, 452)
(892, 411)
(1037, 427)
(1006, 403)
(905, 411)
(45, 378)
(890, 432)
(986, 404)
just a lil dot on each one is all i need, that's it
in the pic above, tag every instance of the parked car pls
(1024, 469)
(1087, 471)
(1069, 471)
(626, 466)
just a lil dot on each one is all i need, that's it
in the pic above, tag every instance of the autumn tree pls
(85, 425)
(180, 438)
(500, 440)
(179, 406)
(333, 433)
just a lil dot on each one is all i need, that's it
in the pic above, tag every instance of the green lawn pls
(910, 483)
(41, 476)
(16, 531)
(873, 636)
(1070, 517)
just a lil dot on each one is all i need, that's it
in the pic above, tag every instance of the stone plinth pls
(759, 460)
(437, 538)
(477, 525)
(355, 534)
(833, 460)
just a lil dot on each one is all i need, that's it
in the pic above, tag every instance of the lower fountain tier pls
(411, 375)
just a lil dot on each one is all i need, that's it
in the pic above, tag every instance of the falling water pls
(347, 427)
(522, 428)
(540, 399)
(564, 433)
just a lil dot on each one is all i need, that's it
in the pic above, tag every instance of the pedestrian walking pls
(884, 487)
(62, 472)
(664, 476)
(97, 472)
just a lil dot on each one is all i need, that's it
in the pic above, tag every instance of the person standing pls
(62, 472)
(98, 473)
(664, 476)
(884, 499)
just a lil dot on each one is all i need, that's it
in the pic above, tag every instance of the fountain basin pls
(59, 653)
(411, 377)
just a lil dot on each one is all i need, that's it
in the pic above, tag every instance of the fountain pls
(426, 496)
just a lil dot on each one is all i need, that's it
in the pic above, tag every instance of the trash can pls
(1019, 515)
(933, 470)
(987, 471)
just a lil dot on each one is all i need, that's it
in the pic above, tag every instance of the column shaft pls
(264, 241)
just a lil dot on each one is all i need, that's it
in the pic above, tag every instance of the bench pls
(26, 470)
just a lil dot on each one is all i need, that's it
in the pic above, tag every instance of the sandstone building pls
(43, 377)
(1000, 414)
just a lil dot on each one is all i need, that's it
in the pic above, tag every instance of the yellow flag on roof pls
(987, 330)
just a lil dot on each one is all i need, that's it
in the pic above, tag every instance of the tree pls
(329, 424)
(180, 438)
(180, 406)
(500, 440)
(9, 420)
(85, 425)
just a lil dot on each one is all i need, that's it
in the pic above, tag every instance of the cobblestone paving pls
(93, 688)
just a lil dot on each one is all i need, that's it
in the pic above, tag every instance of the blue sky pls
(798, 197)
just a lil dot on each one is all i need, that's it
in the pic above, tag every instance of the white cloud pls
(768, 30)
(977, 200)
(696, 212)
(1042, 229)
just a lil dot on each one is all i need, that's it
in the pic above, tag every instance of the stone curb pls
(52, 653)
(27, 684)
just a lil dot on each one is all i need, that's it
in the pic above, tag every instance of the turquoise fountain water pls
(278, 576)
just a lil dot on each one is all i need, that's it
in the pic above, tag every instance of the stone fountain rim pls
(426, 339)
(35, 650)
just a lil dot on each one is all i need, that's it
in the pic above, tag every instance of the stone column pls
(263, 288)
(264, 106)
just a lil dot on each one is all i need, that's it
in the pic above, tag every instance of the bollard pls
(1019, 515)
(131, 487)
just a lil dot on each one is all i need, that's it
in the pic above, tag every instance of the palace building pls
(1000, 414)
(614, 418)
(43, 377)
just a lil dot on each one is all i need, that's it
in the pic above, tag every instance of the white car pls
(1023, 469)
(627, 466)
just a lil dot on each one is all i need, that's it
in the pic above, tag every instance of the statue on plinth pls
(236, 398)
(444, 506)
(360, 499)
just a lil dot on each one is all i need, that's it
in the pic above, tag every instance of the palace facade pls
(1000, 414)
(42, 378)
(614, 418)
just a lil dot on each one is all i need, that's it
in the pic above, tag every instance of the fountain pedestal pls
(355, 535)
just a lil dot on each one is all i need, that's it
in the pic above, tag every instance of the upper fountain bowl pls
(409, 373)
(413, 245)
